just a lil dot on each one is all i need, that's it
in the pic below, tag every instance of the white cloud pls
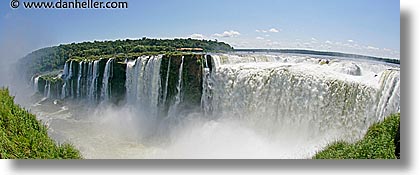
(227, 34)
(273, 30)
(314, 39)
(259, 38)
(197, 36)
(372, 48)
(328, 42)
(350, 41)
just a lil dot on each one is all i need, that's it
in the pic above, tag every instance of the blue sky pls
(369, 27)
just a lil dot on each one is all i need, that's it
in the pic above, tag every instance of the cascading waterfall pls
(70, 75)
(207, 88)
(143, 83)
(299, 95)
(64, 77)
(165, 88)
(139, 75)
(79, 80)
(105, 90)
(388, 94)
(48, 90)
(248, 102)
(173, 110)
(89, 79)
(36, 82)
(93, 88)
(131, 82)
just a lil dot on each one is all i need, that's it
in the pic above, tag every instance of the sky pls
(368, 27)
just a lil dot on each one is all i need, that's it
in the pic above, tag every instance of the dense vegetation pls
(53, 58)
(22, 136)
(378, 143)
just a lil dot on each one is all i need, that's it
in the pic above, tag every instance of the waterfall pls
(48, 90)
(179, 85)
(89, 77)
(131, 82)
(93, 88)
(143, 84)
(165, 88)
(173, 110)
(207, 85)
(79, 79)
(36, 80)
(70, 76)
(388, 94)
(68, 86)
(105, 90)
(300, 94)
(65, 77)
(152, 80)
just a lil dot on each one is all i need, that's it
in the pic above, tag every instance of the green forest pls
(53, 58)
(22, 136)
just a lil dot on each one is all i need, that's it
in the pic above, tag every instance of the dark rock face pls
(117, 83)
(397, 143)
(191, 87)
(53, 86)
(78, 88)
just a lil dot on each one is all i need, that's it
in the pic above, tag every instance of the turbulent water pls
(252, 106)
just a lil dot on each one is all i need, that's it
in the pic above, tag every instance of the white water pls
(70, 75)
(105, 91)
(261, 106)
(131, 82)
(207, 89)
(48, 90)
(79, 80)
(36, 80)
(329, 103)
(64, 77)
(173, 109)
(165, 88)
(89, 79)
(93, 88)
(143, 84)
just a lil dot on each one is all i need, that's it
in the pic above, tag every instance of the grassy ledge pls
(378, 143)
(22, 136)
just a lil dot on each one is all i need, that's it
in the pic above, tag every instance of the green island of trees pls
(53, 58)
(22, 136)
